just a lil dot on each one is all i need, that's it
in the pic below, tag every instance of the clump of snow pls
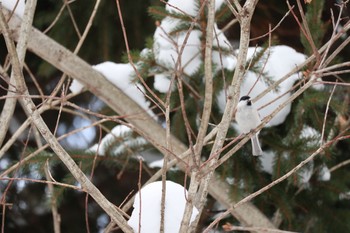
(313, 137)
(344, 196)
(150, 208)
(277, 62)
(267, 161)
(305, 173)
(156, 164)
(76, 86)
(310, 133)
(162, 82)
(167, 45)
(11, 5)
(167, 48)
(324, 174)
(118, 132)
(121, 75)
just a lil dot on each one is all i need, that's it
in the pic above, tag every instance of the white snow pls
(150, 210)
(167, 48)
(4, 163)
(310, 133)
(162, 82)
(122, 76)
(279, 61)
(11, 5)
(167, 45)
(276, 62)
(221, 60)
(324, 174)
(76, 86)
(102, 222)
(267, 160)
(305, 173)
(156, 164)
(118, 132)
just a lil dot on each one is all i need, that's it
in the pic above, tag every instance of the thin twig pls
(139, 185)
(275, 27)
(326, 113)
(72, 18)
(131, 60)
(208, 76)
(65, 185)
(80, 42)
(50, 186)
(229, 227)
(233, 10)
(58, 16)
(339, 165)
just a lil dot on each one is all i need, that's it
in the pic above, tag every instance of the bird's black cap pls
(245, 97)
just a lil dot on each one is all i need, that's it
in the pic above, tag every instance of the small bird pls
(247, 118)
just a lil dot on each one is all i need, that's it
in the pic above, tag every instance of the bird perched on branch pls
(247, 118)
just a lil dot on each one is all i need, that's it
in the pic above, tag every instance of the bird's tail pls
(256, 146)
